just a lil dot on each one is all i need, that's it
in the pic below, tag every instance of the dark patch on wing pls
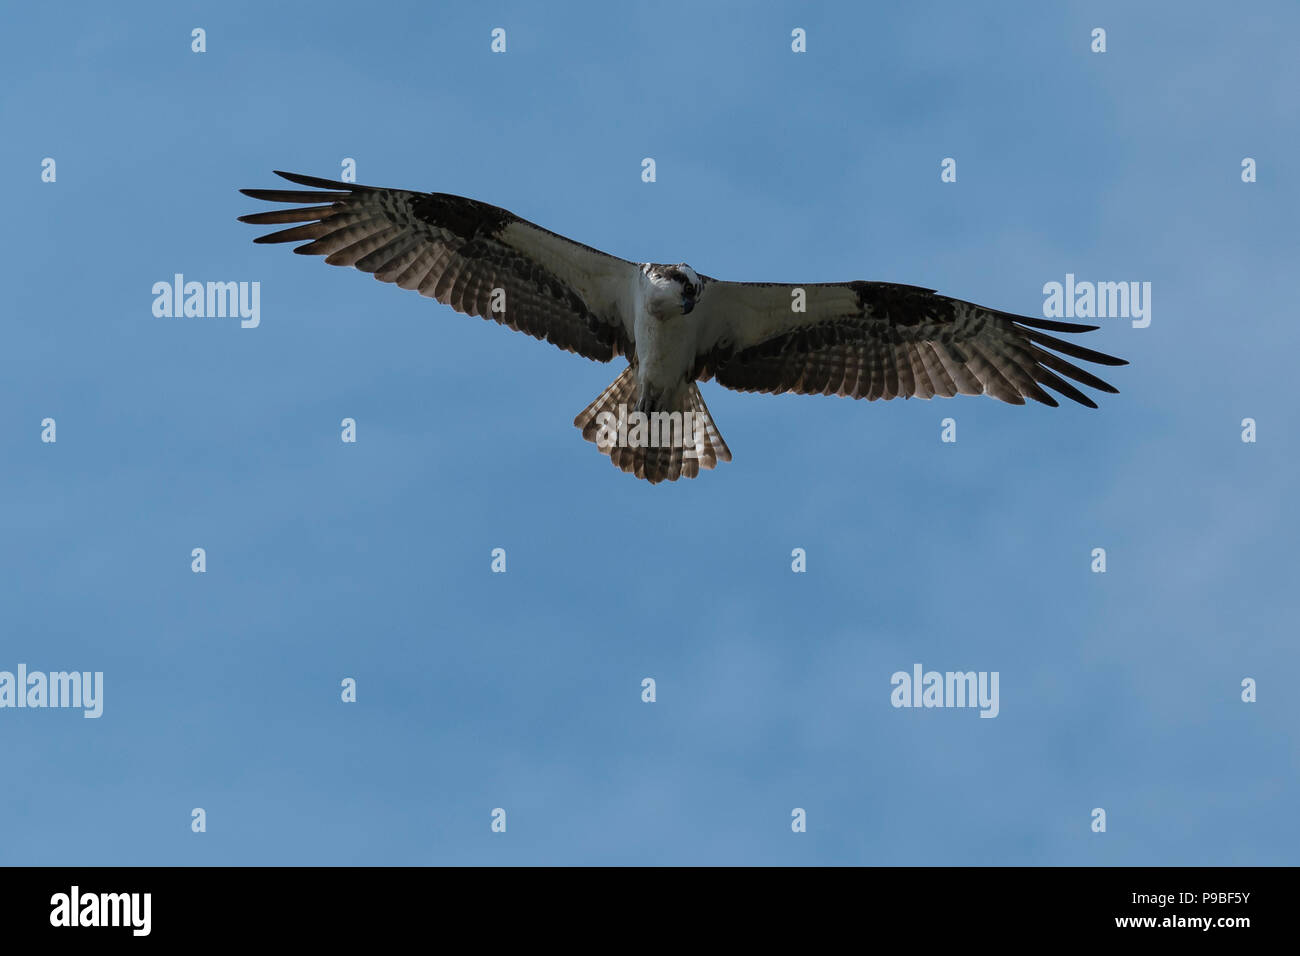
(467, 218)
(901, 305)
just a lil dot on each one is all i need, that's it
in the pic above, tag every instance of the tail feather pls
(607, 423)
(715, 449)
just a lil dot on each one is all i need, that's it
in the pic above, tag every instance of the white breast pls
(665, 348)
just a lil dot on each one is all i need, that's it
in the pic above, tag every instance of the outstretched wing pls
(883, 340)
(479, 259)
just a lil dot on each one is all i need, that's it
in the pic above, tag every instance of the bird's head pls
(673, 288)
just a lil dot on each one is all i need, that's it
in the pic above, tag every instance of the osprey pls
(676, 327)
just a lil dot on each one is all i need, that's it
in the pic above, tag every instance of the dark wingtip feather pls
(1051, 325)
(1058, 364)
(1075, 395)
(277, 216)
(1074, 351)
(294, 195)
(315, 181)
(1059, 385)
(310, 230)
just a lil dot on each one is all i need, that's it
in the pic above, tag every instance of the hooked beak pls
(688, 303)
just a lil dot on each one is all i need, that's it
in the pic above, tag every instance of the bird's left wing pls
(479, 259)
(882, 340)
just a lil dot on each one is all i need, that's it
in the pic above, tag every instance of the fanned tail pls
(673, 442)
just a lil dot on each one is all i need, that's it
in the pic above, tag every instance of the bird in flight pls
(674, 326)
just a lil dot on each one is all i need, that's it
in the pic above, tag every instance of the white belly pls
(665, 351)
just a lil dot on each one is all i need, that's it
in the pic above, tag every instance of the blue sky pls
(522, 690)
